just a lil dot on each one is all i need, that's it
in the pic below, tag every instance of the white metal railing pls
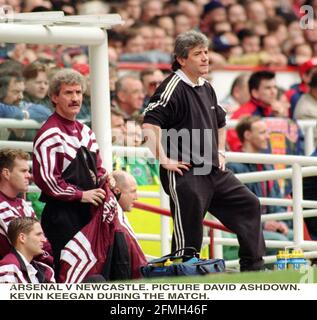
(296, 173)
(19, 124)
(296, 202)
(307, 127)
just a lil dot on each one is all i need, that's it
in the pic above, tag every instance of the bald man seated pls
(125, 189)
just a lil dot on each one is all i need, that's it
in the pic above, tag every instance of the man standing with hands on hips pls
(185, 129)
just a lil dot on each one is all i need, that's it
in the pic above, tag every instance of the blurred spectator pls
(271, 46)
(159, 35)
(129, 97)
(239, 94)
(310, 34)
(182, 23)
(256, 12)
(213, 11)
(250, 42)
(236, 14)
(191, 10)
(302, 53)
(68, 6)
(133, 9)
(113, 77)
(144, 170)
(167, 23)
(36, 84)
(112, 53)
(252, 53)
(48, 62)
(306, 71)
(227, 43)
(11, 90)
(253, 134)
(11, 97)
(295, 37)
(269, 7)
(216, 60)
(16, 5)
(281, 105)
(36, 88)
(118, 128)
(5, 48)
(151, 9)
(306, 107)
(22, 54)
(134, 134)
(221, 27)
(146, 31)
(134, 47)
(260, 29)
(73, 54)
(263, 92)
(133, 42)
(93, 7)
(85, 111)
(151, 79)
(116, 41)
(29, 5)
(12, 85)
(276, 26)
(169, 45)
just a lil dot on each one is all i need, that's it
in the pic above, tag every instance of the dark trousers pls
(60, 222)
(225, 197)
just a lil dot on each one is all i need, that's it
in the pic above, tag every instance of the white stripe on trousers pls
(178, 228)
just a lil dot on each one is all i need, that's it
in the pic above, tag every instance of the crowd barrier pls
(301, 167)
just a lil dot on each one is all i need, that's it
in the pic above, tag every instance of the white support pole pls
(309, 141)
(100, 100)
(218, 247)
(165, 223)
(297, 182)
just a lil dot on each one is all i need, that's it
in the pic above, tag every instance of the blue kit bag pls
(182, 265)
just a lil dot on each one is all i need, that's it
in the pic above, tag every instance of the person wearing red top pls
(306, 70)
(263, 92)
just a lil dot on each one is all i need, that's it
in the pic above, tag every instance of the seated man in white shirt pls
(27, 239)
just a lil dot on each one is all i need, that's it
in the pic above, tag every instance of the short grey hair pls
(120, 83)
(185, 42)
(65, 76)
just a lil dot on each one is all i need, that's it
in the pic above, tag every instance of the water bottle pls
(282, 260)
(296, 260)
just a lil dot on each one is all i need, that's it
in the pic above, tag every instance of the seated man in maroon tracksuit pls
(15, 179)
(27, 238)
